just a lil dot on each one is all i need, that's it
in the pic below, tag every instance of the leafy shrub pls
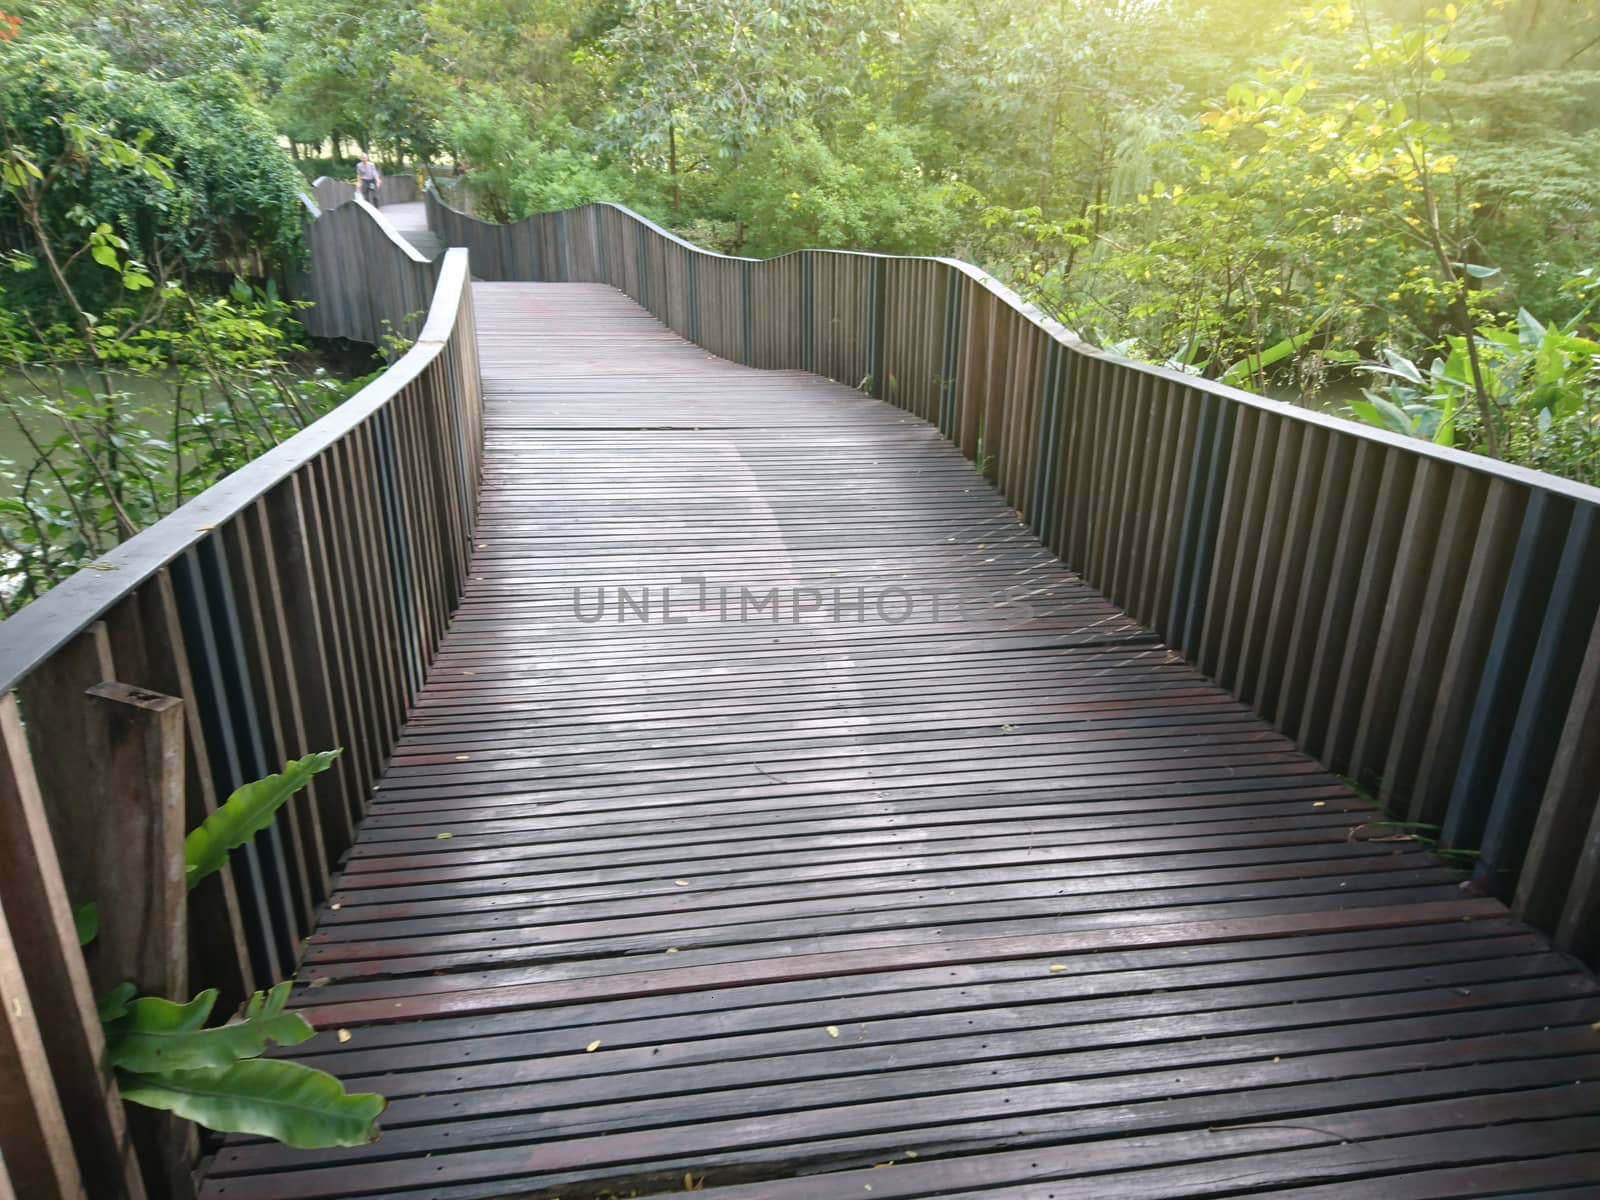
(229, 192)
(514, 170)
(864, 191)
(1543, 383)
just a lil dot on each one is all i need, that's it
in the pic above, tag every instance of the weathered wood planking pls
(1026, 908)
(1334, 576)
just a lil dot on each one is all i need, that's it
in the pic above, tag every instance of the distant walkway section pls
(411, 221)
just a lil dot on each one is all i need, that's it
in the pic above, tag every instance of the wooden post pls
(34, 901)
(139, 856)
(215, 927)
(7, 1186)
(142, 897)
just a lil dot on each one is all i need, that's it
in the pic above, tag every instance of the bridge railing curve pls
(1422, 620)
(365, 281)
(331, 193)
(293, 607)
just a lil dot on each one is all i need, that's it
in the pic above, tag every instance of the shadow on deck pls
(961, 870)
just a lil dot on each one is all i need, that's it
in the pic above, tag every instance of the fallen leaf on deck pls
(344, 1035)
(1056, 968)
(592, 1046)
(833, 1031)
(681, 882)
(444, 835)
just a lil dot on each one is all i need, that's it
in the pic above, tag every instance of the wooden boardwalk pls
(1003, 895)
(410, 220)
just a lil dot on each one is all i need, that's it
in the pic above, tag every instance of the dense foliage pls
(145, 350)
(1294, 199)
(227, 197)
(1291, 198)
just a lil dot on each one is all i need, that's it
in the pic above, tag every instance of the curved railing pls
(1420, 619)
(293, 607)
(365, 281)
(331, 193)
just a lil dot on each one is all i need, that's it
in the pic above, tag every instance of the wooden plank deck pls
(410, 221)
(1025, 907)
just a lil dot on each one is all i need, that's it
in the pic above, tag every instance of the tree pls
(697, 83)
(228, 195)
(345, 69)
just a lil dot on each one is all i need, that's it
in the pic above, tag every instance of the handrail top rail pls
(395, 237)
(1569, 488)
(29, 637)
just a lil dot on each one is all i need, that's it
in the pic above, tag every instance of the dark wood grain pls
(1032, 900)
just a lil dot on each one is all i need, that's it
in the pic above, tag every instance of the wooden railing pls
(365, 281)
(397, 189)
(293, 607)
(1421, 620)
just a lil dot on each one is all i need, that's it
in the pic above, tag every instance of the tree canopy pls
(1278, 196)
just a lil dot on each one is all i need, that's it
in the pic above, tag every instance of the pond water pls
(148, 403)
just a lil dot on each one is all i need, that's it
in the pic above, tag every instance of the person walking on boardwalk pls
(369, 179)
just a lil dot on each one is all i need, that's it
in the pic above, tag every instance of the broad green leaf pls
(1394, 417)
(86, 922)
(1573, 344)
(246, 813)
(1367, 412)
(114, 1003)
(153, 1011)
(1529, 327)
(292, 1103)
(1445, 434)
(1549, 363)
(158, 1035)
(105, 256)
(1403, 367)
(1478, 271)
(1277, 352)
(1383, 414)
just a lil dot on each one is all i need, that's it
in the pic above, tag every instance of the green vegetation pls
(145, 349)
(1296, 200)
(164, 1054)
